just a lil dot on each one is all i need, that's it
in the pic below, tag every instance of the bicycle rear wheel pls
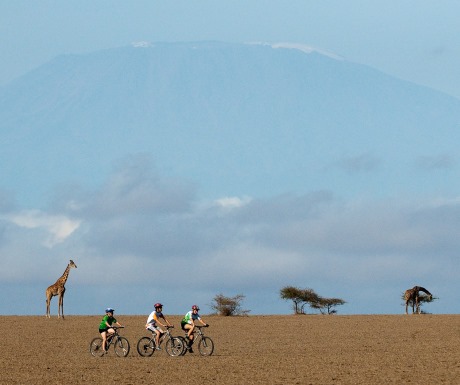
(175, 346)
(95, 347)
(206, 346)
(145, 346)
(121, 346)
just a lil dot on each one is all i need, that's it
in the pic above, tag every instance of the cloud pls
(232, 202)
(7, 201)
(358, 163)
(435, 162)
(133, 188)
(57, 227)
(139, 229)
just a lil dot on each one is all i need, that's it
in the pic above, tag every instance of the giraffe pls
(58, 289)
(412, 295)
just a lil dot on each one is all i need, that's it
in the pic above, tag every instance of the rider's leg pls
(104, 340)
(157, 337)
(190, 328)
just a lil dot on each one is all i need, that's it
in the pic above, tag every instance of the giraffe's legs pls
(61, 305)
(48, 303)
(48, 300)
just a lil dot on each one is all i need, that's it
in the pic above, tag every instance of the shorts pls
(103, 330)
(152, 328)
(182, 325)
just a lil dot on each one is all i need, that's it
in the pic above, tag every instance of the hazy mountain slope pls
(237, 119)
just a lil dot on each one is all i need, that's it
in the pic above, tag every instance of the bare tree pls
(229, 306)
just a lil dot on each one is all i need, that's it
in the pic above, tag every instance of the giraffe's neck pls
(61, 281)
(424, 290)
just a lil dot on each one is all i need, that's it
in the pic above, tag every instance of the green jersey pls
(190, 316)
(108, 319)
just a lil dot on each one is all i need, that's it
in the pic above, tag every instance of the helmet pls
(195, 307)
(158, 304)
(109, 310)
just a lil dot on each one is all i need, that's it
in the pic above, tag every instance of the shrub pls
(229, 306)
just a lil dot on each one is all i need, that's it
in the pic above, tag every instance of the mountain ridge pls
(235, 118)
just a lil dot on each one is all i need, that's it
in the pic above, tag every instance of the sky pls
(202, 248)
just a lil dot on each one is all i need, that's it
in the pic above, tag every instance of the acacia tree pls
(327, 305)
(299, 297)
(302, 297)
(228, 306)
(294, 294)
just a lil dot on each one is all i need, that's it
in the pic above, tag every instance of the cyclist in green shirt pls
(106, 326)
(188, 324)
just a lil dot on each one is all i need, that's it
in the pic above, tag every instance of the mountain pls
(236, 119)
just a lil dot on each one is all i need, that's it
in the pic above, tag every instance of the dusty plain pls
(308, 349)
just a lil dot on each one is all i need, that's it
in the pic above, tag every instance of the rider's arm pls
(157, 320)
(201, 321)
(167, 321)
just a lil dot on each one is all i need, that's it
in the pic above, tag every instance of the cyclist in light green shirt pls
(188, 324)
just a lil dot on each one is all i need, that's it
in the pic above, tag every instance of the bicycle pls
(205, 343)
(174, 346)
(120, 344)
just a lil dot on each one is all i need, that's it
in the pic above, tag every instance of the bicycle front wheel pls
(121, 347)
(145, 347)
(206, 346)
(175, 346)
(95, 347)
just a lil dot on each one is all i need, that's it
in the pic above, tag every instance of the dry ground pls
(312, 349)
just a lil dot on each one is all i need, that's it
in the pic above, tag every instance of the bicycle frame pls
(174, 345)
(164, 335)
(112, 337)
(204, 343)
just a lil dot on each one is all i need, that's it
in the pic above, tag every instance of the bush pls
(228, 306)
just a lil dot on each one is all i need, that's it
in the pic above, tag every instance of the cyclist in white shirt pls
(153, 320)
